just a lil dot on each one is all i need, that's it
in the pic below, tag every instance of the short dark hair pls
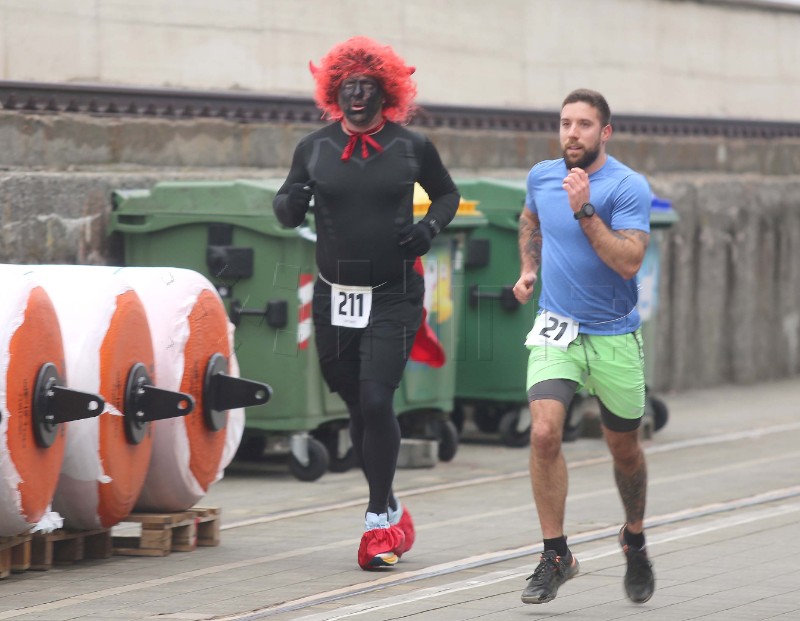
(594, 99)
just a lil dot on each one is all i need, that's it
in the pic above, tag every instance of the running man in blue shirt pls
(586, 223)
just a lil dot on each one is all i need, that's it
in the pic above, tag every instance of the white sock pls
(375, 520)
(394, 516)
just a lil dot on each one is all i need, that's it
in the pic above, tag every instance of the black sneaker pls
(551, 573)
(639, 580)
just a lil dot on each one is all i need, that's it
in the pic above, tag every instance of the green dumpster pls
(662, 217)
(264, 273)
(492, 359)
(425, 398)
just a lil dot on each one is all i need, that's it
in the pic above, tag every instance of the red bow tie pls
(366, 139)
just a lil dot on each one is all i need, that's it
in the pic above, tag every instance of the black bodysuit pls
(362, 204)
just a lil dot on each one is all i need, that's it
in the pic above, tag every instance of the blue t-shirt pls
(575, 281)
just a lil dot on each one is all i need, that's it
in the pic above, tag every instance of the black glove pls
(415, 239)
(298, 198)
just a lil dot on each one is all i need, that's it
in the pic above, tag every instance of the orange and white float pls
(193, 345)
(108, 350)
(32, 372)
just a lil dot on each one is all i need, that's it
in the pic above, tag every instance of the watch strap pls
(434, 226)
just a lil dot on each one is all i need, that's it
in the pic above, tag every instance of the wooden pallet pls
(15, 555)
(163, 533)
(64, 547)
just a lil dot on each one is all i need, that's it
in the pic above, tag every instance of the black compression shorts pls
(378, 352)
(563, 390)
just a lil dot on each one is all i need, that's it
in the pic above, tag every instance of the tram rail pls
(669, 447)
(497, 564)
(689, 519)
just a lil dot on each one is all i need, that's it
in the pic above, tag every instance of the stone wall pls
(730, 280)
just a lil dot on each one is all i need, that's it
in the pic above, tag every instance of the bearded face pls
(581, 135)
(579, 154)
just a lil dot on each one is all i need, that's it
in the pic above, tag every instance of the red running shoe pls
(379, 547)
(406, 524)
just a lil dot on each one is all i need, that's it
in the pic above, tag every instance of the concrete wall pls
(730, 282)
(730, 286)
(663, 57)
(729, 308)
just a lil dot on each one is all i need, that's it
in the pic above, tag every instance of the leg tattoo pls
(633, 491)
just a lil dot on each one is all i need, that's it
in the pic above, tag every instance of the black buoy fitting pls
(221, 392)
(54, 404)
(145, 403)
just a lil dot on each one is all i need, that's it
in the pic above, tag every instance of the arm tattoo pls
(635, 234)
(621, 250)
(641, 236)
(530, 239)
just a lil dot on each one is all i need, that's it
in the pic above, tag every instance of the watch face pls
(586, 210)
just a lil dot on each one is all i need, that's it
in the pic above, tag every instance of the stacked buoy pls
(32, 369)
(119, 389)
(192, 340)
(108, 349)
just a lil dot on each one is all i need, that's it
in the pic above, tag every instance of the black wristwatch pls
(587, 210)
(433, 225)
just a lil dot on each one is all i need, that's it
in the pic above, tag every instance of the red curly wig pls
(362, 55)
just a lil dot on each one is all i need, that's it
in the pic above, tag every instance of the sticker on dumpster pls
(647, 280)
(438, 299)
(305, 294)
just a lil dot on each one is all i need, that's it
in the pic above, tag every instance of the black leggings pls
(375, 434)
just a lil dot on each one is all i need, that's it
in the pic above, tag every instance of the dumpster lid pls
(662, 215)
(501, 200)
(239, 197)
(467, 214)
(240, 202)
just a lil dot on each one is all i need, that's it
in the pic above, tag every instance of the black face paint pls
(361, 101)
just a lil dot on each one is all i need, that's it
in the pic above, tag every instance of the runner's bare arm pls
(623, 250)
(530, 254)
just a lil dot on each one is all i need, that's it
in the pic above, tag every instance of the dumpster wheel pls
(315, 462)
(335, 439)
(573, 422)
(515, 427)
(458, 416)
(344, 463)
(660, 413)
(486, 418)
(448, 441)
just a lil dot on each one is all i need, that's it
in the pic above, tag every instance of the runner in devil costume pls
(367, 308)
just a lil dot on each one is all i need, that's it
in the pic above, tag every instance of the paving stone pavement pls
(723, 533)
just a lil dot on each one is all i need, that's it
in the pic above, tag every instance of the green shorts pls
(610, 367)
